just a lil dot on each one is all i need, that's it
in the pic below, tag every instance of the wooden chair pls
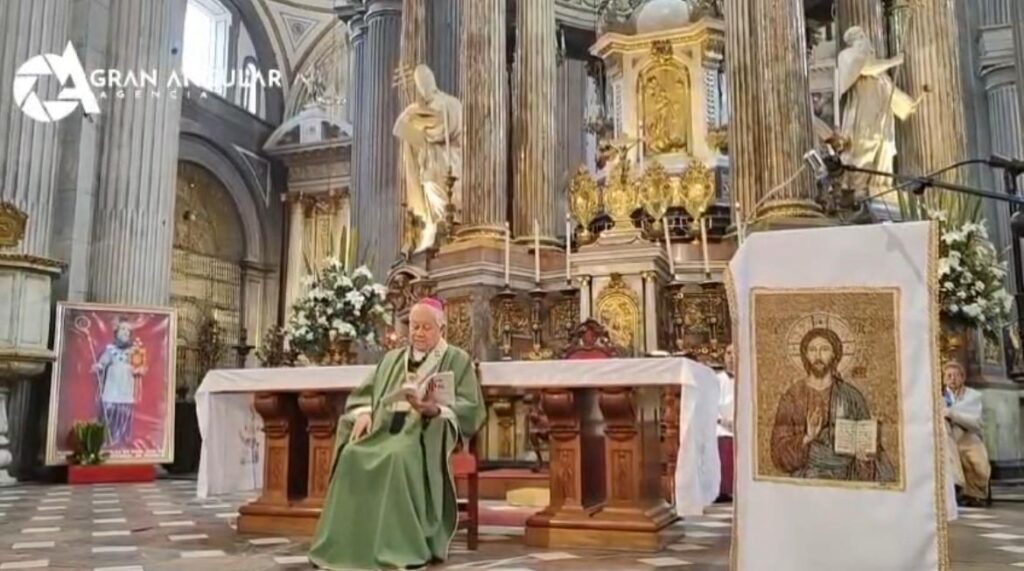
(465, 468)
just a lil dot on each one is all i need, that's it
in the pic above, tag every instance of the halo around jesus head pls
(820, 320)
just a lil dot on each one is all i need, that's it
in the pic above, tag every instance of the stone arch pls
(209, 156)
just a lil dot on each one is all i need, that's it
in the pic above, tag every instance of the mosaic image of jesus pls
(827, 408)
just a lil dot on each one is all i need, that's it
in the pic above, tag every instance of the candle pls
(536, 251)
(739, 223)
(348, 246)
(568, 248)
(668, 249)
(508, 252)
(704, 246)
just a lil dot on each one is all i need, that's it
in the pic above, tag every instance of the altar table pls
(605, 454)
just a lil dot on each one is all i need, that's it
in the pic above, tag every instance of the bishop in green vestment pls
(391, 502)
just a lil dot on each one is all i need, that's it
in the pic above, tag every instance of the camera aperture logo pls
(86, 89)
(75, 89)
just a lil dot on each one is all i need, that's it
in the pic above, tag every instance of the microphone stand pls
(918, 184)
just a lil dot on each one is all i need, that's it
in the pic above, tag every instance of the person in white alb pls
(727, 388)
(964, 422)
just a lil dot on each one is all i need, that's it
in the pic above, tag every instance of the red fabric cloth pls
(725, 455)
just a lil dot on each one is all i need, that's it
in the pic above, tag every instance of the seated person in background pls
(963, 417)
(727, 388)
(391, 502)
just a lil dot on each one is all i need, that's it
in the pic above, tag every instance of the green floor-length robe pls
(391, 501)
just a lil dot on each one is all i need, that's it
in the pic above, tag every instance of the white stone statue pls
(871, 103)
(430, 129)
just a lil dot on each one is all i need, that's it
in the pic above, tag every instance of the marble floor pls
(162, 526)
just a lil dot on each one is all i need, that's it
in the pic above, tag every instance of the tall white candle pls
(568, 248)
(508, 252)
(668, 249)
(739, 223)
(348, 247)
(704, 245)
(536, 251)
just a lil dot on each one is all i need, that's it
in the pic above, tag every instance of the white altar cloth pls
(231, 460)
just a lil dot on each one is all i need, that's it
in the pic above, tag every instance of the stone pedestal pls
(25, 286)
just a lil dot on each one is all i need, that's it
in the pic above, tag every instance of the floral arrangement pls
(971, 277)
(336, 306)
(88, 439)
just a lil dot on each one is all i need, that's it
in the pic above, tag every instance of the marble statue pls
(430, 129)
(871, 103)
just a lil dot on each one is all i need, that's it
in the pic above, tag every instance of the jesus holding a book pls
(823, 427)
(391, 502)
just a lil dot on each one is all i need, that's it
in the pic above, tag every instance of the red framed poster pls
(114, 365)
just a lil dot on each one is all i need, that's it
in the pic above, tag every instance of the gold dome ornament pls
(656, 188)
(584, 200)
(694, 190)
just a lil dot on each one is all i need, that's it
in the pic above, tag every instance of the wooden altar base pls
(295, 521)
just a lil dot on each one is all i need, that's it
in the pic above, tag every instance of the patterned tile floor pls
(162, 526)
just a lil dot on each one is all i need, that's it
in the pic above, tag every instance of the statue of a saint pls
(871, 103)
(430, 129)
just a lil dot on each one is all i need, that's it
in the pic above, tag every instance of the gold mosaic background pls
(872, 316)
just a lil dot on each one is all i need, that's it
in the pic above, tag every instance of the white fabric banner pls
(838, 401)
(231, 459)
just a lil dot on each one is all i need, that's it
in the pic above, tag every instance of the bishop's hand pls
(425, 406)
(361, 428)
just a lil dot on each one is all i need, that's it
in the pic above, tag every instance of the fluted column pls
(534, 119)
(484, 105)
(444, 29)
(380, 223)
(296, 239)
(133, 217)
(29, 149)
(770, 126)
(934, 137)
(359, 193)
(571, 120)
(868, 15)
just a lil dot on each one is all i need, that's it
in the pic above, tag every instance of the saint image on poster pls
(115, 365)
(827, 387)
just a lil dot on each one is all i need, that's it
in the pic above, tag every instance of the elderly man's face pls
(424, 329)
(953, 377)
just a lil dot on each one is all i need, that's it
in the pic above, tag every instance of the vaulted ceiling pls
(296, 28)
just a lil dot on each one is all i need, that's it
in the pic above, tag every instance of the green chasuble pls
(391, 502)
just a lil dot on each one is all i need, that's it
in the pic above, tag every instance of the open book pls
(856, 437)
(440, 385)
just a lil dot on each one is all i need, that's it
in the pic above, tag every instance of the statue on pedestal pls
(430, 129)
(871, 105)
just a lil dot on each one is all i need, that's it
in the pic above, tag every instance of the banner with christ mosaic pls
(839, 436)
(826, 370)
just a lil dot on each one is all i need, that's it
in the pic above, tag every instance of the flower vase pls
(340, 352)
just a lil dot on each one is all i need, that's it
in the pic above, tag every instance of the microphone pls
(1014, 166)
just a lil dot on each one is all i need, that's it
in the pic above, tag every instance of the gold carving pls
(695, 189)
(705, 322)
(460, 322)
(584, 200)
(657, 190)
(618, 309)
(661, 51)
(665, 104)
(515, 314)
(620, 194)
(12, 225)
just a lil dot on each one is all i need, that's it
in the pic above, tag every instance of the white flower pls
(356, 299)
(345, 282)
(363, 271)
(346, 330)
(381, 291)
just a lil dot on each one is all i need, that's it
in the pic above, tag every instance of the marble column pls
(296, 240)
(133, 216)
(413, 44)
(864, 13)
(485, 117)
(534, 131)
(380, 230)
(925, 31)
(571, 121)
(444, 38)
(770, 125)
(29, 150)
(359, 193)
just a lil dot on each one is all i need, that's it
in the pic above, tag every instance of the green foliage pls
(89, 438)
